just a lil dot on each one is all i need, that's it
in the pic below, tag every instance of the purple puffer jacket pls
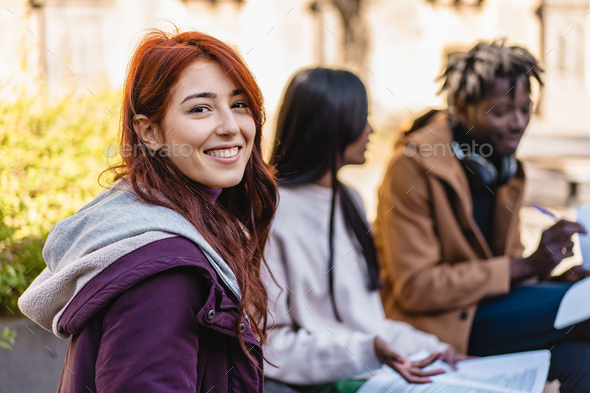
(158, 320)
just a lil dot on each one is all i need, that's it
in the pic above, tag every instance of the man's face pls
(501, 117)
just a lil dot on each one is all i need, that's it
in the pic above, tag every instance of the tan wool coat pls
(436, 264)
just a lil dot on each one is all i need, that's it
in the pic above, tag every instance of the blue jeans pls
(523, 321)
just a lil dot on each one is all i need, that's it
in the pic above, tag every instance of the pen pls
(546, 212)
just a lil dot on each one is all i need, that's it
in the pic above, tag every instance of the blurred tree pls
(458, 3)
(356, 37)
(219, 1)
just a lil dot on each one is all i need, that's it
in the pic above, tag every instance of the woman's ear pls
(148, 132)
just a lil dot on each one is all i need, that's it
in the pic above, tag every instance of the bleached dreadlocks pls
(471, 75)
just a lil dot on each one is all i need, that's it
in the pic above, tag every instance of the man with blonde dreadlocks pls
(447, 226)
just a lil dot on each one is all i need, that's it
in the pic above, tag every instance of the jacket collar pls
(432, 137)
(144, 262)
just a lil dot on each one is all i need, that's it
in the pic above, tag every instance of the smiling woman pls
(165, 263)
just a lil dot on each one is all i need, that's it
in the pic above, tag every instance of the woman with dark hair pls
(327, 325)
(157, 279)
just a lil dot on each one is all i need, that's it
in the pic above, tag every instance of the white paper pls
(583, 217)
(524, 372)
(574, 306)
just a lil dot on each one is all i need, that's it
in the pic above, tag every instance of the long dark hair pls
(323, 111)
(238, 224)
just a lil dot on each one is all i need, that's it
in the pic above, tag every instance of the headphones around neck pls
(481, 172)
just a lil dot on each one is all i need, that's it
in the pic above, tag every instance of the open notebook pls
(524, 372)
(575, 305)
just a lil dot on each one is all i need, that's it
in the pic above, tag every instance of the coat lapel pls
(507, 203)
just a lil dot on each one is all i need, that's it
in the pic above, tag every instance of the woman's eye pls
(240, 104)
(198, 109)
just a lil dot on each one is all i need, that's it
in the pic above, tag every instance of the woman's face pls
(208, 130)
(354, 153)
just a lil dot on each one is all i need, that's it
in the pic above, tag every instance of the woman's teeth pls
(224, 153)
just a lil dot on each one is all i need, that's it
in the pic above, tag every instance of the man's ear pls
(461, 112)
(148, 132)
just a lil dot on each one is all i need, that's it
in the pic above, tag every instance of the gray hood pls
(79, 247)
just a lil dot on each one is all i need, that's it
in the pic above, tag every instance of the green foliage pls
(7, 338)
(51, 154)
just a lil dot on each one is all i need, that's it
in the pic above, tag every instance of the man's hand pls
(555, 245)
(410, 371)
(575, 274)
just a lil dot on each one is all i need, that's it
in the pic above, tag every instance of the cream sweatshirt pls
(306, 342)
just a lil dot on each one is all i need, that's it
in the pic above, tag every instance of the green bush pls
(51, 154)
(7, 338)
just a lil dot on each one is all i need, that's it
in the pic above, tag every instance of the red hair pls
(238, 223)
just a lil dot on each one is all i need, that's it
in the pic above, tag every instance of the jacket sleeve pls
(150, 336)
(411, 249)
(308, 357)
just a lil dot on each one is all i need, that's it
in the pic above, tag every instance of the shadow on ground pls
(36, 359)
